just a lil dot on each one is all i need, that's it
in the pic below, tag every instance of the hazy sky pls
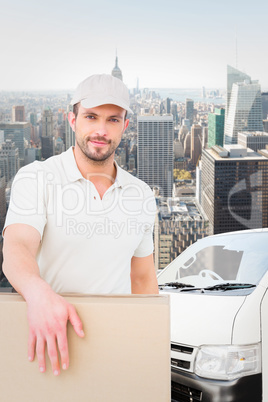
(169, 43)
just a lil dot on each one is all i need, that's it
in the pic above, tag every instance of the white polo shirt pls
(86, 242)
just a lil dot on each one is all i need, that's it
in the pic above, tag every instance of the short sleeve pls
(146, 246)
(27, 198)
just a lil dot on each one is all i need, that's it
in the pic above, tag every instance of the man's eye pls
(115, 120)
(90, 117)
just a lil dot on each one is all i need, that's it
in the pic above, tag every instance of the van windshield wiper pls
(226, 286)
(230, 286)
(176, 285)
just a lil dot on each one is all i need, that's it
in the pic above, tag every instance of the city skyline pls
(166, 45)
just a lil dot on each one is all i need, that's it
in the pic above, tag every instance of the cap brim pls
(89, 103)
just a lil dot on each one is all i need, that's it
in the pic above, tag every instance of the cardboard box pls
(124, 357)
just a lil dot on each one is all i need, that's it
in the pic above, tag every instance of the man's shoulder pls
(50, 164)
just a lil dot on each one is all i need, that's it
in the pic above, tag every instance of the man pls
(79, 223)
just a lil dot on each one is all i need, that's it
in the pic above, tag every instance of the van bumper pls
(189, 387)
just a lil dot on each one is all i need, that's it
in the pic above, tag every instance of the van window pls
(239, 258)
(214, 258)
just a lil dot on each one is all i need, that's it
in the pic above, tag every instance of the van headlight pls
(223, 362)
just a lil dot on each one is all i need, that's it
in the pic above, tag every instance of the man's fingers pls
(75, 321)
(40, 352)
(53, 355)
(31, 346)
(49, 330)
(63, 349)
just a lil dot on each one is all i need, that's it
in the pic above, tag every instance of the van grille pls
(180, 363)
(182, 357)
(181, 348)
(182, 393)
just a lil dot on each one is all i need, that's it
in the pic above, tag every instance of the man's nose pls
(101, 129)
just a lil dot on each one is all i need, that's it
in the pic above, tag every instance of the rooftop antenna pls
(116, 58)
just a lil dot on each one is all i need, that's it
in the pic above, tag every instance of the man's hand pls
(48, 314)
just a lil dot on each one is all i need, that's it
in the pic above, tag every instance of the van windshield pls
(229, 258)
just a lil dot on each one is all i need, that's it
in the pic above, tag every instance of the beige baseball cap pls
(102, 89)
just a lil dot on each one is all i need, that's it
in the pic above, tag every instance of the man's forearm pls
(21, 269)
(48, 313)
(144, 286)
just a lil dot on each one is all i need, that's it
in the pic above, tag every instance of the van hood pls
(202, 319)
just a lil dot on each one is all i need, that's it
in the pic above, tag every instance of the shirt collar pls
(70, 166)
(74, 174)
(120, 180)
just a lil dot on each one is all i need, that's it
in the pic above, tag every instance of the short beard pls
(95, 156)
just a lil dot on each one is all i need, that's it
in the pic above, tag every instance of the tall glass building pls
(155, 152)
(189, 110)
(216, 127)
(245, 110)
(233, 76)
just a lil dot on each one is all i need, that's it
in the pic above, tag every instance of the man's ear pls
(126, 124)
(71, 119)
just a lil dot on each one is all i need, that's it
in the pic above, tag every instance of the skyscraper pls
(216, 127)
(9, 160)
(155, 151)
(205, 137)
(18, 113)
(17, 132)
(47, 123)
(264, 101)
(70, 134)
(168, 105)
(174, 111)
(116, 72)
(33, 119)
(47, 139)
(245, 110)
(196, 143)
(234, 188)
(187, 145)
(233, 76)
(178, 149)
(189, 110)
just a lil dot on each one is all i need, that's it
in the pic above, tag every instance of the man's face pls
(98, 130)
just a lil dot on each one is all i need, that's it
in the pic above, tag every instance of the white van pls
(219, 318)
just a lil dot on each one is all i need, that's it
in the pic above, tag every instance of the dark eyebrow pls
(87, 113)
(116, 116)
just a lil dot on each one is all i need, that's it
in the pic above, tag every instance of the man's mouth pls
(98, 143)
